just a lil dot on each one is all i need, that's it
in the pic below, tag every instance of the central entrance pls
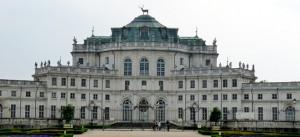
(143, 110)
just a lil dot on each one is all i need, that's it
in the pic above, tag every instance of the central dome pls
(145, 20)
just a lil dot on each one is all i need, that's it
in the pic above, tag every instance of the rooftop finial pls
(215, 42)
(196, 31)
(144, 10)
(93, 31)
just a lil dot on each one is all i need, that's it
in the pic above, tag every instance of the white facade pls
(118, 79)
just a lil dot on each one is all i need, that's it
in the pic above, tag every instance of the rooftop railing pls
(21, 82)
(270, 85)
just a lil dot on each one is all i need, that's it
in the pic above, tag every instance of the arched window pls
(144, 33)
(127, 67)
(160, 67)
(143, 110)
(290, 113)
(144, 67)
(160, 110)
(127, 110)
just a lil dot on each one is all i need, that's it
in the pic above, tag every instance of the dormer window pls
(207, 62)
(80, 61)
(144, 33)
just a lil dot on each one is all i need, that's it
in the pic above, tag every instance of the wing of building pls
(146, 72)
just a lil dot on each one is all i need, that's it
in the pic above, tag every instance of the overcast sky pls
(261, 32)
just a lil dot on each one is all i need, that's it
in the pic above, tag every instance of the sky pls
(261, 32)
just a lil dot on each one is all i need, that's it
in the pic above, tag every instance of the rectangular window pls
(13, 93)
(225, 112)
(234, 83)
(107, 97)
(80, 61)
(54, 81)
(63, 81)
(95, 112)
(204, 83)
(234, 110)
(42, 94)
(204, 113)
(144, 83)
(62, 95)
(192, 84)
(82, 112)
(274, 113)
(127, 83)
(225, 83)
(180, 97)
(260, 96)
(224, 96)
(260, 113)
(0, 93)
(41, 111)
(83, 82)
(53, 111)
(180, 113)
(204, 97)
(27, 94)
(193, 114)
(234, 96)
(72, 96)
(207, 62)
(192, 97)
(53, 95)
(180, 84)
(289, 96)
(215, 97)
(82, 96)
(95, 96)
(181, 61)
(13, 110)
(95, 83)
(72, 82)
(106, 60)
(246, 96)
(161, 85)
(27, 111)
(107, 83)
(246, 109)
(106, 113)
(274, 96)
(216, 83)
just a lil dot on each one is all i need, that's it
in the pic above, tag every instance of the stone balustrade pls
(268, 85)
(21, 82)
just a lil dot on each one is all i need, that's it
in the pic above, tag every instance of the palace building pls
(144, 72)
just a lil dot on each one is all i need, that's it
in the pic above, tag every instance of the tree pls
(68, 113)
(215, 115)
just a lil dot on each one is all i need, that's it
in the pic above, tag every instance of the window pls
(289, 96)
(204, 113)
(107, 97)
(53, 111)
(1, 111)
(204, 83)
(13, 110)
(193, 114)
(260, 96)
(160, 67)
(13, 93)
(180, 84)
(95, 112)
(225, 83)
(246, 96)
(106, 60)
(180, 113)
(41, 111)
(106, 113)
(83, 82)
(72, 96)
(192, 97)
(53, 94)
(224, 96)
(95, 96)
(215, 97)
(27, 111)
(62, 95)
(161, 85)
(54, 81)
(80, 61)
(72, 82)
(260, 113)
(290, 113)
(225, 112)
(181, 61)
(82, 96)
(95, 83)
(192, 84)
(274, 96)
(42, 94)
(246, 109)
(234, 110)
(234, 96)
(107, 83)
(234, 83)
(144, 33)
(144, 66)
(63, 81)
(127, 83)
(180, 97)
(274, 113)
(216, 84)
(204, 97)
(144, 83)
(82, 112)
(27, 94)
(127, 67)
(0, 93)
(207, 62)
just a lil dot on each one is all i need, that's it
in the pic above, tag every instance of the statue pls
(253, 67)
(35, 64)
(41, 64)
(230, 65)
(240, 65)
(247, 66)
(68, 63)
(58, 63)
(215, 42)
(74, 41)
(45, 64)
(220, 65)
(48, 62)
(243, 65)
(144, 10)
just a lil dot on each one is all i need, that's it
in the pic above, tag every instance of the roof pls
(145, 20)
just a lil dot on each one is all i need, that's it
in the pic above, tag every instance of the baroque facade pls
(144, 72)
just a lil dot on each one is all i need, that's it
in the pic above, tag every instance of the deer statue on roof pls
(144, 10)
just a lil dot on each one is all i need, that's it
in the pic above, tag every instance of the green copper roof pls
(145, 20)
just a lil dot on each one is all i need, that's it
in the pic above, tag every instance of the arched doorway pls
(160, 114)
(143, 110)
(290, 113)
(127, 110)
